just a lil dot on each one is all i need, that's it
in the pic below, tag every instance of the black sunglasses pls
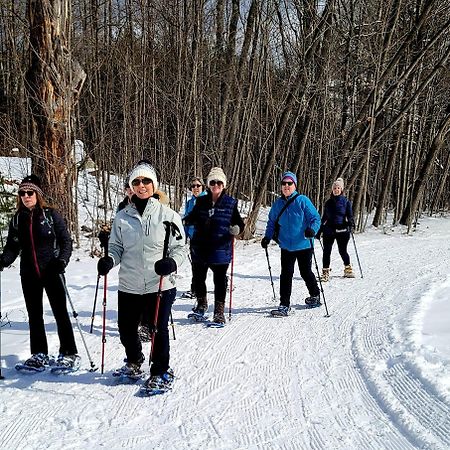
(144, 181)
(287, 183)
(214, 182)
(195, 186)
(29, 193)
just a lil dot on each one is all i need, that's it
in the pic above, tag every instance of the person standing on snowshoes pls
(337, 223)
(293, 221)
(39, 234)
(137, 243)
(216, 221)
(196, 187)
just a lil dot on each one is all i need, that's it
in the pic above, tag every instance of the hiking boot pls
(68, 361)
(325, 275)
(348, 272)
(219, 316)
(313, 300)
(202, 305)
(37, 361)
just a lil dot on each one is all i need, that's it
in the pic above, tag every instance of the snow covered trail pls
(354, 380)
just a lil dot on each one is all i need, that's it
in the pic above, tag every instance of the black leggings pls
(303, 258)
(33, 290)
(342, 242)
(199, 272)
(131, 308)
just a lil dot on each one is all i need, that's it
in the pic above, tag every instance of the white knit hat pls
(144, 170)
(217, 174)
(339, 182)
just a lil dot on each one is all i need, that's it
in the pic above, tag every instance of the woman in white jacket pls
(137, 244)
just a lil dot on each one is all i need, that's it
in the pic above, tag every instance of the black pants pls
(33, 290)
(342, 242)
(131, 307)
(303, 258)
(199, 272)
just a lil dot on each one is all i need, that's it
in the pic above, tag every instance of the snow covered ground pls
(373, 375)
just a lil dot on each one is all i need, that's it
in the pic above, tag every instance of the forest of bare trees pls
(351, 88)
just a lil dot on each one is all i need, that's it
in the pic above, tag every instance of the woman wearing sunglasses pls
(216, 221)
(39, 234)
(293, 221)
(137, 243)
(196, 188)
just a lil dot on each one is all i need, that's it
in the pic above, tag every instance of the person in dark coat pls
(216, 221)
(297, 224)
(39, 234)
(337, 223)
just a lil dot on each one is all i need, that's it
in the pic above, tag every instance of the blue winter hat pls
(289, 176)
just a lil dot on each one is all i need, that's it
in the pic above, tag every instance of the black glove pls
(165, 266)
(56, 265)
(103, 237)
(104, 265)
(309, 233)
(265, 242)
(319, 233)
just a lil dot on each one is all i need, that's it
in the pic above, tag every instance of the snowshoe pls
(157, 384)
(197, 316)
(130, 372)
(36, 363)
(66, 364)
(313, 302)
(281, 311)
(188, 294)
(213, 324)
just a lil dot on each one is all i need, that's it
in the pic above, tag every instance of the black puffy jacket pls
(38, 237)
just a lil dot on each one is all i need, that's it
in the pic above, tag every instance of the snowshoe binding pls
(130, 372)
(281, 311)
(313, 302)
(157, 384)
(198, 313)
(36, 363)
(188, 294)
(66, 364)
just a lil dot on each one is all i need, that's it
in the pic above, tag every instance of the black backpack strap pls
(276, 223)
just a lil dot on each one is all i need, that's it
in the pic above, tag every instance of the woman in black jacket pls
(337, 222)
(39, 234)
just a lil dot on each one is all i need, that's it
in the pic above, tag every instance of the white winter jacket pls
(137, 242)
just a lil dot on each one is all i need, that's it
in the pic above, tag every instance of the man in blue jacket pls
(293, 221)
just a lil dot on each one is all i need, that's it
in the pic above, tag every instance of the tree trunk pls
(54, 81)
(419, 184)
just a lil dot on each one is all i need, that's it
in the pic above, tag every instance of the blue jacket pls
(298, 216)
(337, 215)
(189, 230)
(212, 241)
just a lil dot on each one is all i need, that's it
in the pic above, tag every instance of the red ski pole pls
(231, 277)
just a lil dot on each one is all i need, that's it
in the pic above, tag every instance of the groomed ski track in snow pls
(349, 381)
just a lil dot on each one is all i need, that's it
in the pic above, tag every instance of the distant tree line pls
(352, 88)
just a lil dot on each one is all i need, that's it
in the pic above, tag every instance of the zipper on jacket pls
(33, 249)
